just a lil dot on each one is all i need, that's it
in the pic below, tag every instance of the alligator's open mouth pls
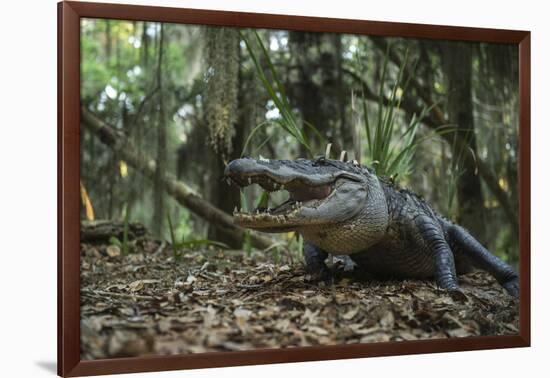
(301, 194)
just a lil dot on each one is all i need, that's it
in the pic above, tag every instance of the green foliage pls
(389, 149)
(123, 245)
(263, 201)
(185, 227)
(251, 135)
(175, 245)
(388, 155)
(297, 245)
(178, 246)
(289, 122)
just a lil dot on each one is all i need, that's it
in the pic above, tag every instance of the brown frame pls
(69, 14)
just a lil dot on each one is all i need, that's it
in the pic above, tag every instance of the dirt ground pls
(147, 303)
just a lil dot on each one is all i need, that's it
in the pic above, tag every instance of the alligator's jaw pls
(285, 216)
(321, 192)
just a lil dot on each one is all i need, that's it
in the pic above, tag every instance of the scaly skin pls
(342, 208)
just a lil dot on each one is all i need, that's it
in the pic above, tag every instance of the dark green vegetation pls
(166, 107)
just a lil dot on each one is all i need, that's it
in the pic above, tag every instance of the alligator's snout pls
(243, 167)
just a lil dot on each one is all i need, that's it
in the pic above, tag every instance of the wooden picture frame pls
(69, 15)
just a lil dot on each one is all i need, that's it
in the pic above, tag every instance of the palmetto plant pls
(387, 151)
(288, 121)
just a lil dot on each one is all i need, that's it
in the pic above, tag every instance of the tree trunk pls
(226, 130)
(317, 92)
(346, 128)
(457, 66)
(158, 190)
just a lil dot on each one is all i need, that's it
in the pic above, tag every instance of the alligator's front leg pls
(434, 238)
(315, 263)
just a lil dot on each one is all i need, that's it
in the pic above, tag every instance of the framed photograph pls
(239, 188)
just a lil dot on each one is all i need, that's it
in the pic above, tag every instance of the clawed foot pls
(454, 291)
(512, 287)
(321, 275)
(315, 264)
(457, 294)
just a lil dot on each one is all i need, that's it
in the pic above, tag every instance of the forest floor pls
(147, 303)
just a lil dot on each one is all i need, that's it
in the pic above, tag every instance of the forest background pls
(192, 98)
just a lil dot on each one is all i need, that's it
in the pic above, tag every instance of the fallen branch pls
(119, 295)
(100, 231)
(181, 192)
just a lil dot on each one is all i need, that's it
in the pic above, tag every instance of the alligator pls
(344, 208)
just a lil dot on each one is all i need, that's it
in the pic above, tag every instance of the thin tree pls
(160, 172)
(457, 68)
